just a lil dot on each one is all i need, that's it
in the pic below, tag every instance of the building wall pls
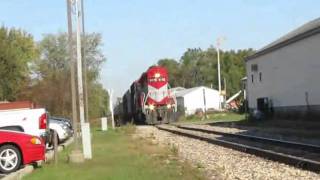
(290, 78)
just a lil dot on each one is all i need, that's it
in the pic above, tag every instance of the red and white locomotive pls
(149, 99)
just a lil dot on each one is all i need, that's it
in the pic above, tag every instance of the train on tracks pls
(149, 99)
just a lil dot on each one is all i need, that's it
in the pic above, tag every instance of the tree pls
(199, 68)
(189, 67)
(17, 52)
(173, 69)
(51, 83)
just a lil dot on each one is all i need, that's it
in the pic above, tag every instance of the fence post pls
(55, 147)
(104, 124)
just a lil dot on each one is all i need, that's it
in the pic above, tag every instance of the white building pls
(197, 98)
(283, 78)
(176, 89)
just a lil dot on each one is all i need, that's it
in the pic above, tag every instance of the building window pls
(260, 76)
(254, 67)
(252, 78)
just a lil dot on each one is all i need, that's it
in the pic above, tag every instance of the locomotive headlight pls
(157, 75)
(151, 107)
(168, 106)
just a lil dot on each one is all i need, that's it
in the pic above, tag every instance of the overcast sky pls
(136, 33)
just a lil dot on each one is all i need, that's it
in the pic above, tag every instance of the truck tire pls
(10, 158)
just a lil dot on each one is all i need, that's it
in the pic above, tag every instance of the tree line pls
(198, 67)
(40, 71)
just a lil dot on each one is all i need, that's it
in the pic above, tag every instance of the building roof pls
(177, 89)
(309, 29)
(187, 91)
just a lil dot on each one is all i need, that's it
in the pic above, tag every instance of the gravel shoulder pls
(221, 163)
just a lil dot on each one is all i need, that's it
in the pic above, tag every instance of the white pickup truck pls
(30, 121)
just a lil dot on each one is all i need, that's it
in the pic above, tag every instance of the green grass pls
(117, 156)
(214, 117)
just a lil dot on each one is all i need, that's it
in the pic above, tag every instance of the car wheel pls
(10, 158)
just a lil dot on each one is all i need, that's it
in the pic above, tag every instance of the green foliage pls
(51, 85)
(198, 67)
(17, 51)
(98, 100)
(173, 70)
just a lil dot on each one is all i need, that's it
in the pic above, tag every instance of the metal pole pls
(72, 76)
(225, 90)
(55, 147)
(219, 78)
(79, 64)
(204, 103)
(111, 107)
(85, 82)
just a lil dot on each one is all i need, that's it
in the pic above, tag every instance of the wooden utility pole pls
(79, 64)
(75, 155)
(85, 126)
(85, 84)
(72, 75)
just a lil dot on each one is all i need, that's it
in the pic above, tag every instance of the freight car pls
(149, 100)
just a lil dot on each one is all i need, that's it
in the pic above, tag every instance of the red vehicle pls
(149, 99)
(17, 148)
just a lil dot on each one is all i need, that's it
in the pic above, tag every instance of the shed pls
(198, 98)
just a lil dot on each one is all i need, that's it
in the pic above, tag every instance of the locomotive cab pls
(150, 98)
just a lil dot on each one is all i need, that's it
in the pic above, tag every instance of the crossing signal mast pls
(76, 155)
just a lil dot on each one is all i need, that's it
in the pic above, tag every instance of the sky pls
(137, 33)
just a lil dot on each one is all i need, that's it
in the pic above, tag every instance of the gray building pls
(283, 78)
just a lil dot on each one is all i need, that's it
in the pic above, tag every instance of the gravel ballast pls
(223, 163)
(275, 133)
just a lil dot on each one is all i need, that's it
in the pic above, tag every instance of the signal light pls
(35, 140)
(43, 121)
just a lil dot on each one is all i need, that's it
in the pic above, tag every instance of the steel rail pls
(283, 143)
(279, 157)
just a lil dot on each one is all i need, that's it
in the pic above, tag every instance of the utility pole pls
(219, 41)
(76, 155)
(110, 91)
(84, 65)
(225, 89)
(79, 64)
(72, 71)
(85, 127)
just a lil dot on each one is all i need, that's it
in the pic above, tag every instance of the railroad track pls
(266, 147)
